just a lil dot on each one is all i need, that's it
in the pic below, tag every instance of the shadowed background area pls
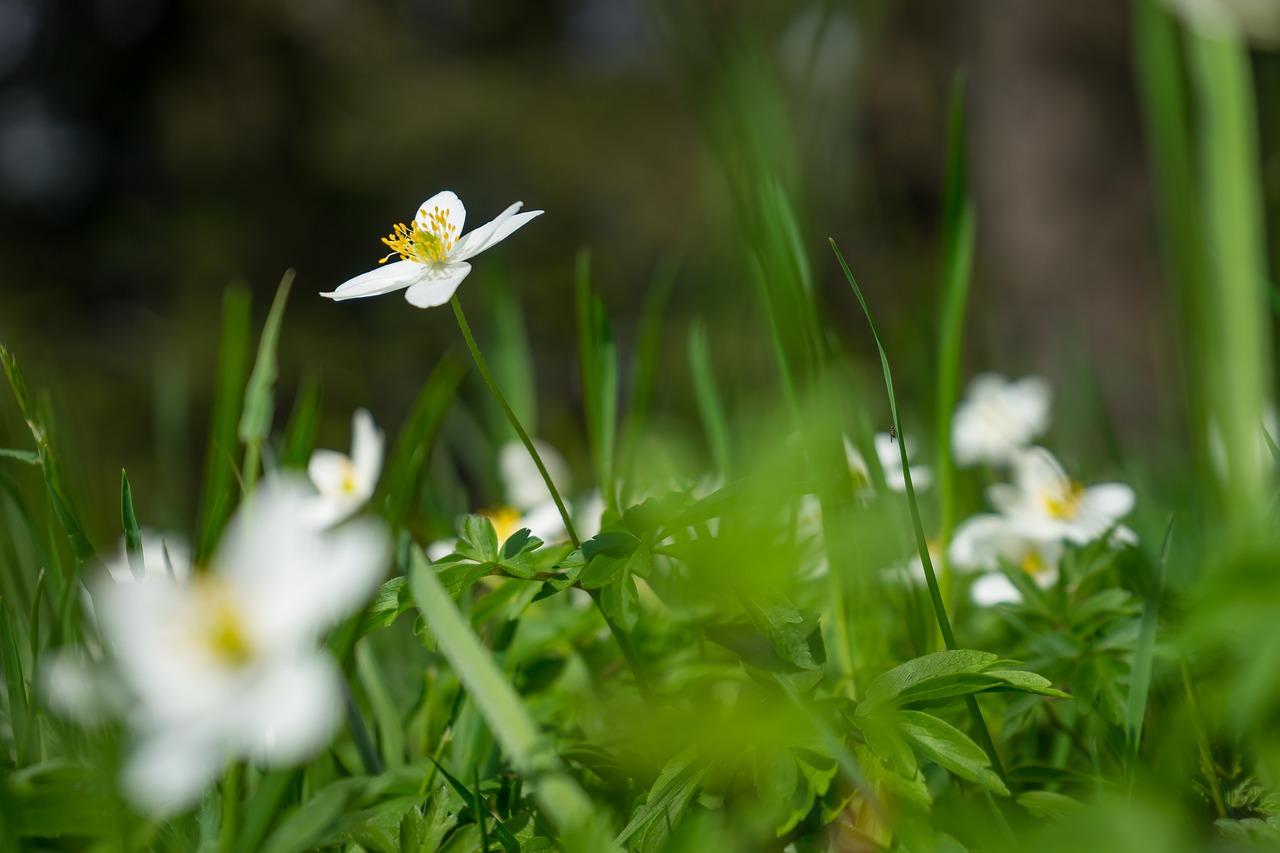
(153, 151)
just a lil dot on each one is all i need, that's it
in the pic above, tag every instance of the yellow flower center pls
(349, 483)
(219, 625)
(426, 245)
(1033, 563)
(1063, 502)
(505, 521)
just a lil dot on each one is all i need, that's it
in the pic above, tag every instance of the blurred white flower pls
(1045, 504)
(984, 541)
(346, 483)
(432, 256)
(227, 666)
(859, 473)
(999, 418)
(162, 554)
(528, 502)
(891, 463)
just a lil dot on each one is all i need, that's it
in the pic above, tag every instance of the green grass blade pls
(304, 424)
(511, 357)
(598, 366)
(710, 408)
(1161, 85)
(922, 545)
(390, 728)
(581, 826)
(407, 461)
(132, 535)
(28, 456)
(1240, 348)
(259, 394)
(648, 353)
(15, 684)
(220, 475)
(958, 229)
(1143, 657)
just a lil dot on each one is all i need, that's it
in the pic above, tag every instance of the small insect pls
(893, 432)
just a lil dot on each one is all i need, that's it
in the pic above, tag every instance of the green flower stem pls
(628, 652)
(230, 808)
(511, 416)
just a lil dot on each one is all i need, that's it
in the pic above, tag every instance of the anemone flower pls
(1044, 503)
(432, 257)
(999, 418)
(984, 541)
(229, 665)
(346, 483)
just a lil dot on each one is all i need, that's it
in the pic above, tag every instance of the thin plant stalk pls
(935, 593)
(619, 635)
(511, 416)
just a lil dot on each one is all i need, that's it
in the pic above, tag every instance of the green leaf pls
(710, 407)
(668, 798)
(620, 601)
(259, 402)
(15, 684)
(581, 825)
(220, 474)
(949, 747)
(308, 823)
(55, 799)
(612, 556)
(478, 541)
(304, 424)
(473, 799)
(598, 366)
(407, 463)
(886, 688)
(28, 456)
(1050, 804)
(393, 598)
(132, 535)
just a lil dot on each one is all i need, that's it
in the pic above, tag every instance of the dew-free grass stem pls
(483, 366)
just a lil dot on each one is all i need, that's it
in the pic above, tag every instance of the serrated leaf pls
(478, 541)
(393, 598)
(886, 687)
(949, 747)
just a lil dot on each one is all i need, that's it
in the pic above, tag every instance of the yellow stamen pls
(1064, 502)
(219, 625)
(1033, 563)
(426, 245)
(505, 521)
(349, 484)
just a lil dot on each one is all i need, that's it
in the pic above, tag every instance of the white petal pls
(1006, 498)
(1110, 500)
(979, 541)
(439, 289)
(1029, 399)
(1039, 472)
(386, 278)
(168, 771)
(455, 214)
(328, 470)
(522, 483)
(994, 588)
(292, 712)
(367, 444)
(545, 522)
(588, 515)
(441, 548)
(492, 233)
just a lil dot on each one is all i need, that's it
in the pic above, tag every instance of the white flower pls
(984, 541)
(891, 463)
(999, 418)
(432, 256)
(1044, 503)
(162, 554)
(228, 666)
(346, 483)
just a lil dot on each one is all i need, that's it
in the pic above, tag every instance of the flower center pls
(349, 483)
(505, 521)
(219, 625)
(1064, 501)
(1033, 563)
(427, 245)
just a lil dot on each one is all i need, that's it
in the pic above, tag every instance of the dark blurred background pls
(153, 151)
